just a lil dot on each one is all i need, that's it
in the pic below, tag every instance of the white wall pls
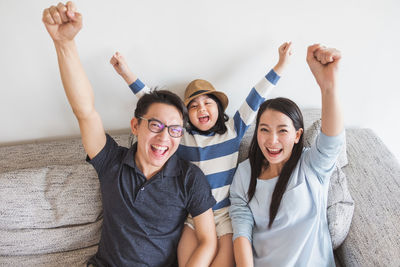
(230, 43)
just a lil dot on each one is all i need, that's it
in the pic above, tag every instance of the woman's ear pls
(134, 125)
(299, 132)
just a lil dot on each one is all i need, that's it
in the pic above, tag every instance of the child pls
(212, 143)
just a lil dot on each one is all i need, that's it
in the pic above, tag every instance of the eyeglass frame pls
(163, 127)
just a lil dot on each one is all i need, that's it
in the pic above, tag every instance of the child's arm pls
(247, 112)
(122, 68)
(285, 51)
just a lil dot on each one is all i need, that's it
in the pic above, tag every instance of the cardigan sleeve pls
(239, 211)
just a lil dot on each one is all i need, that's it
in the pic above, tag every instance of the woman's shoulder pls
(243, 170)
(244, 165)
(241, 178)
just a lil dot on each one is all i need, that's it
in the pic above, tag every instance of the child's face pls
(203, 112)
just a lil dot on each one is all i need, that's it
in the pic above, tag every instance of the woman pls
(279, 195)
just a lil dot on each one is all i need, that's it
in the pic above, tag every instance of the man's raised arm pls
(63, 23)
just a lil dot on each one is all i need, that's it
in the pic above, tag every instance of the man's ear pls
(299, 132)
(134, 125)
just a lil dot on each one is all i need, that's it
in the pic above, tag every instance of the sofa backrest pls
(45, 218)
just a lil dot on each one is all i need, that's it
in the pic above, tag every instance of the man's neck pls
(148, 171)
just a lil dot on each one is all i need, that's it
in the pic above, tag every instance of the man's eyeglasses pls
(157, 126)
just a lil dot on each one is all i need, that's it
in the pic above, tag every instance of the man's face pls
(154, 149)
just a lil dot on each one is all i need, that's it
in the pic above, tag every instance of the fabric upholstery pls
(50, 204)
(374, 183)
(312, 132)
(50, 210)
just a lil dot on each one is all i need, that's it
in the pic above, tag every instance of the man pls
(147, 191)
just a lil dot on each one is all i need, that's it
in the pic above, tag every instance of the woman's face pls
(276, 136)
(203, 112)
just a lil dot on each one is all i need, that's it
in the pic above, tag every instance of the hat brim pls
(220, 95)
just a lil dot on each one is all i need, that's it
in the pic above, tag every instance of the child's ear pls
(299, 132)
(134, 125)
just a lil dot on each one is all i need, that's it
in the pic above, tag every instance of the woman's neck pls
(271, 171)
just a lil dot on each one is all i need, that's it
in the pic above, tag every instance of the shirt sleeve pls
(139, 88)
(239, 211)
(105, 158)
(248, 111)
(322, 155)
(200, 198)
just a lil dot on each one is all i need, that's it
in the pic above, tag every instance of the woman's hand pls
(324, 65)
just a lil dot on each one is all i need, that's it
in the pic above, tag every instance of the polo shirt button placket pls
(140, 196)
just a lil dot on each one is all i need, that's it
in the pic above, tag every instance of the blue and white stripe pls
(217, 154)
(139, 88)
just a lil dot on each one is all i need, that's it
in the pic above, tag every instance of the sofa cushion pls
(49, 209)
(374, 182)
(49, 197)
(311, 133)
(76, 258)
(340, 207)
(340, 203)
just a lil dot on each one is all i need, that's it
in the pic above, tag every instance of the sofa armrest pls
(373, 175)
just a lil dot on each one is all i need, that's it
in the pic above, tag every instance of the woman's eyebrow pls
(279, 126)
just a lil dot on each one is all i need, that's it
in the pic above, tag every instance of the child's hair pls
(163, 97)
(219, 127)
(257, 159)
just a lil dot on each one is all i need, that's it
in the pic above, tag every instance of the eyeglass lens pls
(157, 127)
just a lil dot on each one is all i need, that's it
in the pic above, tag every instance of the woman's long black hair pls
(257, 159)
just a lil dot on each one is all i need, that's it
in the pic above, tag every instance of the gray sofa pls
(51, 213)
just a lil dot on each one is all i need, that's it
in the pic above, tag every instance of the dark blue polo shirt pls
(143, 219)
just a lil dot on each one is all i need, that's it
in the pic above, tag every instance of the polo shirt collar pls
(170, 168)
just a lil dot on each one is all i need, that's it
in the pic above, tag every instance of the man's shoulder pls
(111, 151)
(118, 150)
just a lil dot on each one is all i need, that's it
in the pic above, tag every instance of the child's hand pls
(285, 51)
(121, 67)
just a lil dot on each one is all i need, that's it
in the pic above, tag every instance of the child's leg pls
(224, 255)
(187, 244)
(223, 226)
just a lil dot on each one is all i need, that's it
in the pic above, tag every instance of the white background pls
(169, 43)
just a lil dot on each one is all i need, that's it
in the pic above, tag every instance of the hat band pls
(198, 92)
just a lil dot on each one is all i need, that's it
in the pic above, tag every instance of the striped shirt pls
(217, 154)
